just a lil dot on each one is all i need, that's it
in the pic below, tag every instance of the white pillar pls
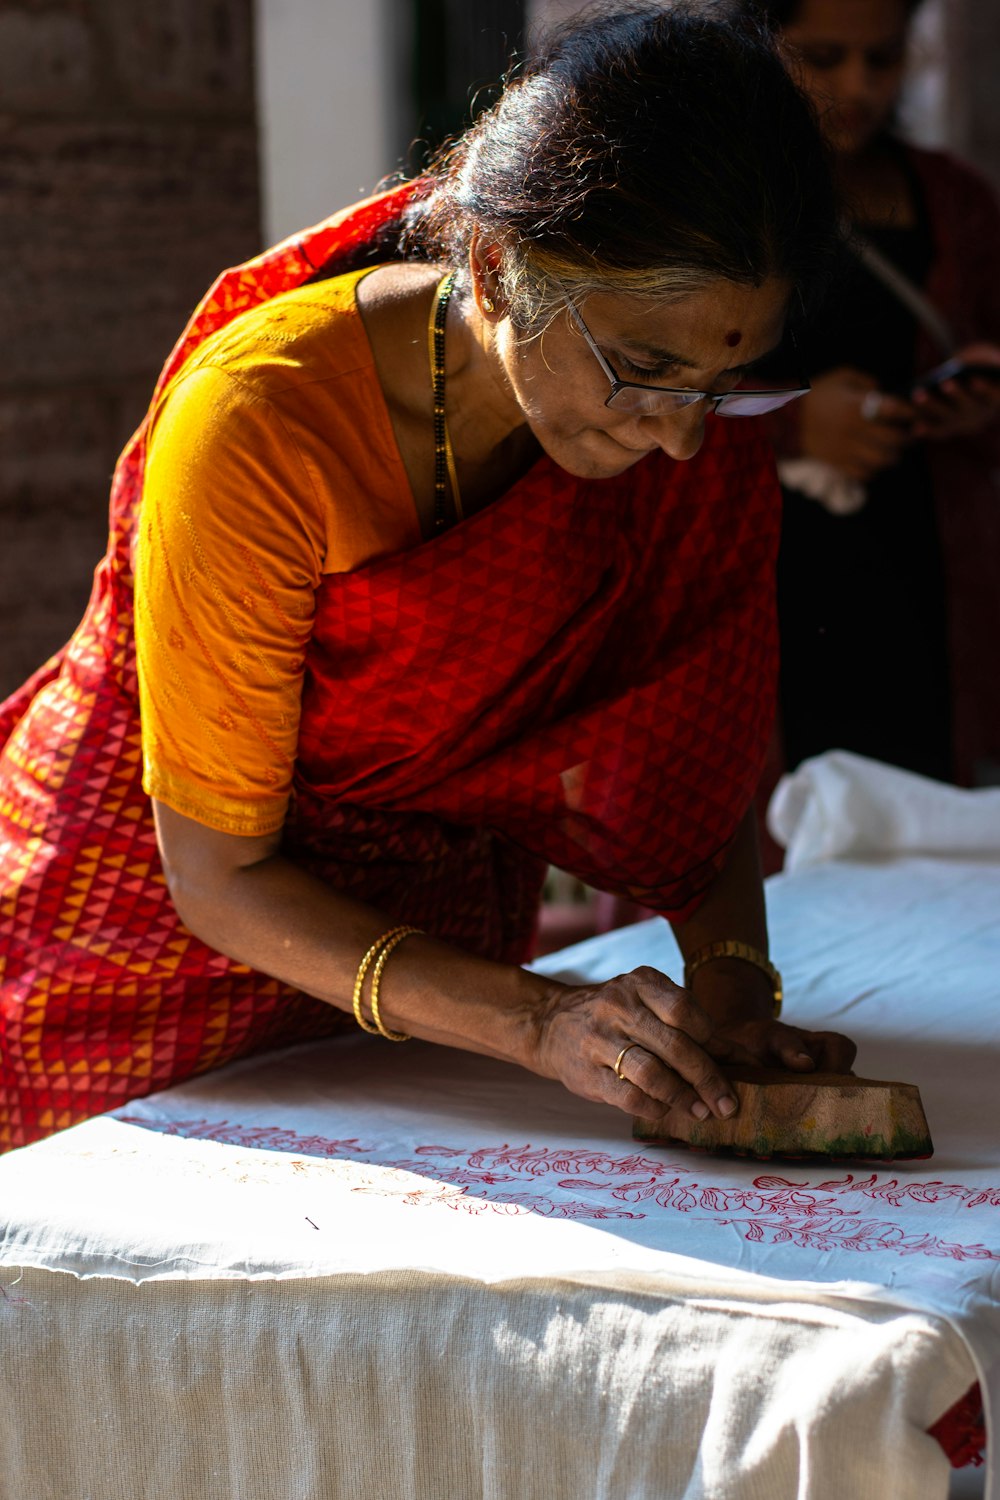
(324, 102)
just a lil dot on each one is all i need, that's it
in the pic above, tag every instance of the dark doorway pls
(450, 58)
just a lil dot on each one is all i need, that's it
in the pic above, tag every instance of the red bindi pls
(733, 337)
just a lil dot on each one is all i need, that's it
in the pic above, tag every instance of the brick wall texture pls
(128, 179)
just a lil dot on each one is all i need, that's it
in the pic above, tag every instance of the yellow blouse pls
(271, 461)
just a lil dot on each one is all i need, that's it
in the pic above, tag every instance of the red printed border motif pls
(825, 1216)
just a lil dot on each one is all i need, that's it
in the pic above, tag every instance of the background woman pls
(889, 573)
(444, 570)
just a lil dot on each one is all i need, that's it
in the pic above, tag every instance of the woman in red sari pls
(430, 566)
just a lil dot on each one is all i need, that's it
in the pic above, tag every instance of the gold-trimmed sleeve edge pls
(223, 814)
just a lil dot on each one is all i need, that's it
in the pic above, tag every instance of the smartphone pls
(955, 369)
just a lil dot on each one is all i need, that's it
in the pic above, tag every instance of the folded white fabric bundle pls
(822, 482)
(841, 805)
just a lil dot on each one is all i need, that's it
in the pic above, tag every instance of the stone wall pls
(128, 179)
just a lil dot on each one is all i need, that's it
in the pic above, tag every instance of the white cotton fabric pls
(822, 482)
(841, 805)
(355, 1269)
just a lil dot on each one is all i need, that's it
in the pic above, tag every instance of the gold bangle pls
(379, 951)
(730, 948)
(373, 1001)
(363, 968)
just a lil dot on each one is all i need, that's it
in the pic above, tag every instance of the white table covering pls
(364, 1270)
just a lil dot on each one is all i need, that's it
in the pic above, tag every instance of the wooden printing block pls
(803, 1115)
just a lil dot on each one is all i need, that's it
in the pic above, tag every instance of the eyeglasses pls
(658, 400)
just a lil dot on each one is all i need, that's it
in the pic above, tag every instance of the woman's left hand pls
(960, 408)
(737, 998)
(765, 1043)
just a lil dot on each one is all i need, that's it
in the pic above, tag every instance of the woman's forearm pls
(245, 899)
(733, 908)
(241, 896)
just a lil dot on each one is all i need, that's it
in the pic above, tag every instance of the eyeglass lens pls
(732, 404)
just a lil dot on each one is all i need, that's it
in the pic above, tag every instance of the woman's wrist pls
(440, 994)
(730, 990)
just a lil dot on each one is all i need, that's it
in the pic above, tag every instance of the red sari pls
(581, 674)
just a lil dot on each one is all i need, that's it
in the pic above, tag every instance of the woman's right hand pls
(667, 1069)
(846, 421)
(242, 896)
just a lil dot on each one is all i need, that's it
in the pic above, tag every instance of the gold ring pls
(618, 1060)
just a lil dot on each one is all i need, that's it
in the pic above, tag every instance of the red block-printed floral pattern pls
(845, 1213)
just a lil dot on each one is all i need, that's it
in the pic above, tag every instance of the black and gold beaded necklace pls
(444, 458)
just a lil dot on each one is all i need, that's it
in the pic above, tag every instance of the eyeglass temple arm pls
(591, 344)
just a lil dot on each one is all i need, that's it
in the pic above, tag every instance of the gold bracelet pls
(730, 948)
(390, 943)
(359, 980)
(379, 951)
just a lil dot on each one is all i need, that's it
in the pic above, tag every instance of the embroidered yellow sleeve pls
(227, 563)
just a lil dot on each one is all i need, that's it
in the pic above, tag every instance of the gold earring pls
(487, 304)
